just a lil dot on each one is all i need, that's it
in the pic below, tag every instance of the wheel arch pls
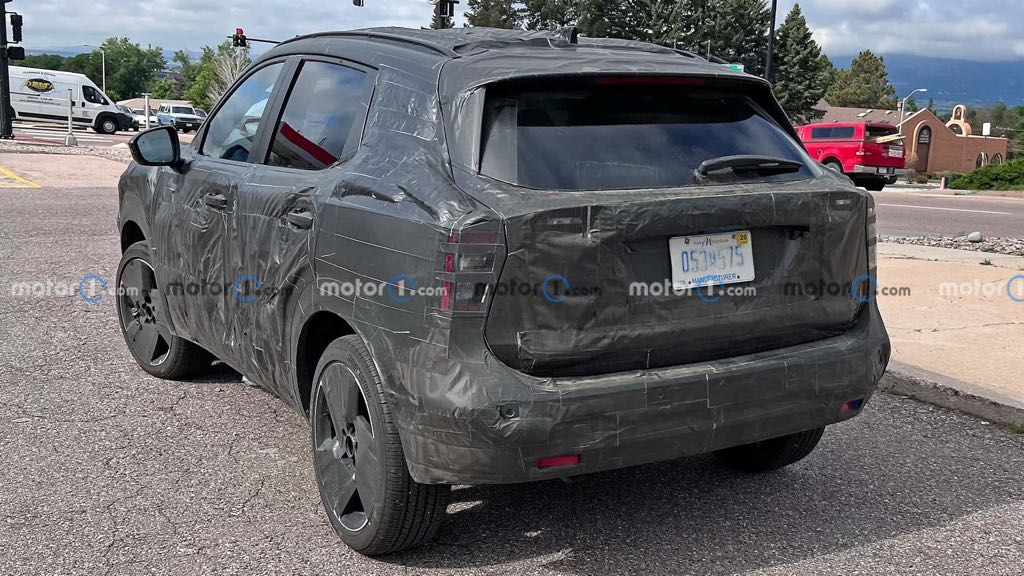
(318, 331)
(103, 116)
(131, 233)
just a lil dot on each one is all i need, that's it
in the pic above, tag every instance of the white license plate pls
(711, 259)
(895, 151)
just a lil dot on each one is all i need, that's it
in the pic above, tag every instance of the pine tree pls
(440, 23)
(864, 85)
(493, 13)
(737, 30)
(800, 71)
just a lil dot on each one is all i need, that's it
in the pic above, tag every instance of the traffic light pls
(239, 40)
(16, 22)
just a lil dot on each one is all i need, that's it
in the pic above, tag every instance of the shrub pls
(1009, 176)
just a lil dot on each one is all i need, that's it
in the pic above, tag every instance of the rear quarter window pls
(589, 136)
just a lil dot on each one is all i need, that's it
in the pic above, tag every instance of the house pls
(931, 145)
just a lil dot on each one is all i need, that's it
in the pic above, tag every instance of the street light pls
(903, 107)
(103, 53)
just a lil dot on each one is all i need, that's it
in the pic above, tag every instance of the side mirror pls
(157, 147)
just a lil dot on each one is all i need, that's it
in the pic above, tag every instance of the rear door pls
(196, 215)
(316, 127)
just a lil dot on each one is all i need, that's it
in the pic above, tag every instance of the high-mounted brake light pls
(650, 80)
(558, 461)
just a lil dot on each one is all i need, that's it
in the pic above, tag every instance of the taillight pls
(860, 150)
(468, 268)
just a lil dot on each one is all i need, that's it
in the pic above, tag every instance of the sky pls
(988, 30)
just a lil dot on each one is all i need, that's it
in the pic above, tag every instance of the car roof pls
(477, 55)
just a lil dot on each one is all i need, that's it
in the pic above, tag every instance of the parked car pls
(871, 154)
(184, 118)
(134, 126)
(39, 95)
(478, 256)
(139, 114)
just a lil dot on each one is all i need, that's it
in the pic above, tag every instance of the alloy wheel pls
(142, 313)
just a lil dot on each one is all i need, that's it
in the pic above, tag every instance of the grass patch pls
(986, 262)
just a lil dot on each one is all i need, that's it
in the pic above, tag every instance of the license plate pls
(895, 151)
(711, 259)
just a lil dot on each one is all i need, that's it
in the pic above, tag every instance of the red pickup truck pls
(872, 155)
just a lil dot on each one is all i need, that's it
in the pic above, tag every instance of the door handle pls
(215, 201)
(301, 219)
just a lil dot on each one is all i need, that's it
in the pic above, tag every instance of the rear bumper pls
(879, 170)
(629, 418)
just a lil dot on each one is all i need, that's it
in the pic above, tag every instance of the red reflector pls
(555, 461)
(852, 405)
(648, 80)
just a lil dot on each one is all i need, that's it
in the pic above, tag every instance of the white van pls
(42, 96)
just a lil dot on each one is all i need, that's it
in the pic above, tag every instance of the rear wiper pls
(747, 163)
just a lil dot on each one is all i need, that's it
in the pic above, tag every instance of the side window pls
(232, 131)
(821, 133)
(93, 95)
(843, 132)
(322, 108)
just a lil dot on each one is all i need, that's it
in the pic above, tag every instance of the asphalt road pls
(939, 214)
(105, 470)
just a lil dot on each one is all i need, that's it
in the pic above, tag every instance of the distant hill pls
(951, 82)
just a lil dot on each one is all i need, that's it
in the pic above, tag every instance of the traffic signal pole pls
(6, 121)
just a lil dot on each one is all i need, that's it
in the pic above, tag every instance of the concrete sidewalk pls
(958, 336)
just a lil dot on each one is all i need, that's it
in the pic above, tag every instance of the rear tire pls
(371, 500)
(834, 165)
(142, 315)
(874, 185)
(768, 455)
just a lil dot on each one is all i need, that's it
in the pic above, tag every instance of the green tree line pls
(734, 30)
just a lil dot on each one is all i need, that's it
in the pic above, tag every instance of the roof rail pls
(383, 36)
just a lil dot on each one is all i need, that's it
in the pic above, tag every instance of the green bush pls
(1009, 176)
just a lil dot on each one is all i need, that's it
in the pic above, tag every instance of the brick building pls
(931, 145)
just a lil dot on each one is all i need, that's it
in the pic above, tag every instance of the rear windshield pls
(619, 136)
(182, 110)
(877, 131)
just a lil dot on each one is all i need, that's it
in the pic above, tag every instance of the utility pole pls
(771, 42)
(6, 121)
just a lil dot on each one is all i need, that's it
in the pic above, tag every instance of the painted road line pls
(9, 179)
(949, 209)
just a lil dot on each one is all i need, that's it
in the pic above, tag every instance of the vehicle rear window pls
(619, 136)
(182, 110)
(878, 131)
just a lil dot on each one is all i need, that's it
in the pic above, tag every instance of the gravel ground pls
(121, 154)
(104, 469)
(1011, 246)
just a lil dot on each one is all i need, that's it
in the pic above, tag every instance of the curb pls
(951, 393)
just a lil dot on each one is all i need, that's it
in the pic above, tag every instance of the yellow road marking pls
(12, 180)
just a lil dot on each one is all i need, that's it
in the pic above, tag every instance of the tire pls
(371, 500)
(835, 165)
(874, 185)
(142, 315)
(107, 125)
(772, 454)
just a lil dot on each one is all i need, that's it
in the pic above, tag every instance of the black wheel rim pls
(346, 456)
(142, 313)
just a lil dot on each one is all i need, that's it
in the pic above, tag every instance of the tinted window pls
(183, 110)
(879, 131)
(843, 132)
(601, 137)
(93, 95)
(324, 106)
(232, 130)
(821, 133)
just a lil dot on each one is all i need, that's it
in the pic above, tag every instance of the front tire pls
(772, 454)
(371, 500)
(107, 125)
(142, 314)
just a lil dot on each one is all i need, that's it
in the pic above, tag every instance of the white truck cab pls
(39, 95)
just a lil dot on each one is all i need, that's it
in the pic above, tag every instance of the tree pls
(931, 105)
(912, 104)
(551, 14)
(864, 85)
(440, 23)
(736, 29)
(44, 61)
(493, 13)
(801, 71)
(206, 80)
